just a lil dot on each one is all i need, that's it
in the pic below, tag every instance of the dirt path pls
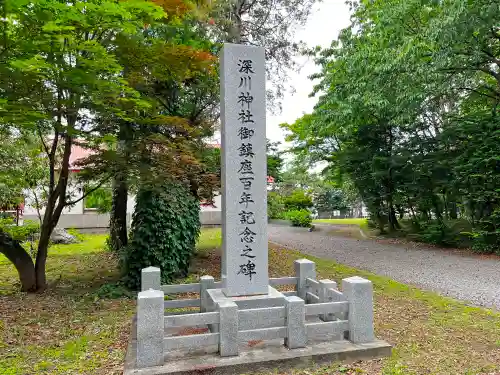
(472, 279)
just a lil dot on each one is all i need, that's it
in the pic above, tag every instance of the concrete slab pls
(259, 356)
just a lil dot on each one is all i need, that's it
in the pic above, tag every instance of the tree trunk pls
(401, 212)
(453, 210)
(393, 220)
(118, 215)
(437, 208)
(55, 205)
(42, 251)
(380, 223)
(22, 261)
(236, 27)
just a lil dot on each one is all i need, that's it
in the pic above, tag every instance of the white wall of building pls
(77, 216)
(74, 190)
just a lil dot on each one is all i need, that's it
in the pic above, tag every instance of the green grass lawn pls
(69, 329)
(77, 327)
(353, 221)
(356, 228)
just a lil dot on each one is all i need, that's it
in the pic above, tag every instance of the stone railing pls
(316, 310)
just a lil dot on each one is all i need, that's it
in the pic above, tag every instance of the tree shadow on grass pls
(69, 274)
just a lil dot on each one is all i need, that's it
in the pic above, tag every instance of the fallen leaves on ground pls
(71, 329)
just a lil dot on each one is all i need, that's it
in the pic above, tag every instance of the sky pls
(324, 24)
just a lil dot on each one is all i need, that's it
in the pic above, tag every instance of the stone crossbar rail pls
(328, 329)
(181, 303)
(191, 341)
(262, 334)
(151, 279)
(347, 314)
(188, 320)
(195, 287)
(327, 308)
(262, 314)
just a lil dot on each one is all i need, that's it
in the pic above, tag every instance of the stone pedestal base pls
(257, 356)
(231, 335)
(273, 298)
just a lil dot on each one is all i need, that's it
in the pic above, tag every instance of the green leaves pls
(35, 64)
(55, 27)
(405, 93)
(165, 227)
(299, 218)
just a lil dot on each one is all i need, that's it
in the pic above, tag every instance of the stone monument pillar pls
(244, 171)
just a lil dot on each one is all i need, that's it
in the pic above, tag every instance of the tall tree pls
(403, 96)
(270, 24)
(173, 66)
(274, 160)
(57, 68)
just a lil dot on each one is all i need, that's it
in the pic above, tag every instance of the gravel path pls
(467, 278)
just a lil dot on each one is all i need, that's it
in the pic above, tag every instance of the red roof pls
(77, 153)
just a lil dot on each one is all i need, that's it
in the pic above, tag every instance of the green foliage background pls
(298, 200)
(293, 207)
(299, 218)
(19, 233)
(165, 227)
(408, 112)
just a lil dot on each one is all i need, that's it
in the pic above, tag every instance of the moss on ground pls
(81, 325)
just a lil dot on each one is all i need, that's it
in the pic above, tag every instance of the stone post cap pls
(326, 281)
(206, 277)
(151, 293)
(293, 299)
(357, 280)
(151, 269)
(304, 261)
(226, 304)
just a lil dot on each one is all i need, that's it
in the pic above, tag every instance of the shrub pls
(299, 218)
(486, 242)
(486, 238)
(20, 233)
(76, 233)
(275, 206)
(165, 227)
(298, 200)
(444, 233)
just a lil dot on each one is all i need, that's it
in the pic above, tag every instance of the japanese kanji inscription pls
(244, 182)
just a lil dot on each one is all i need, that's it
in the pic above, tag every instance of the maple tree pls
(266, 23)
(173, 66)
(60, 70)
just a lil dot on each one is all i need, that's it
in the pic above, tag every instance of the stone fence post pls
(325, 296)
(304, 268)
(150, 278)
(296, 336)
(359, 294)
(206, 282)
(228, 329)
(150, 328)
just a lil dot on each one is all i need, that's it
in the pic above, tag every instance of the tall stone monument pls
(307, 324)
(244, 171)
